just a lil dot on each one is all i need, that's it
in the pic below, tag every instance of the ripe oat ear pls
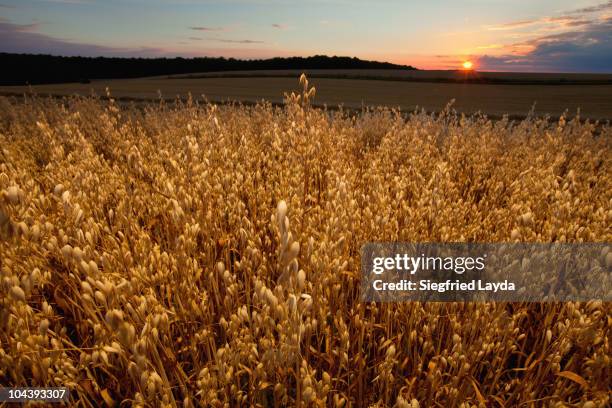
(311, 93)
(6, 227)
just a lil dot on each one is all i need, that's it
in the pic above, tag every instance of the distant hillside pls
(22, 69)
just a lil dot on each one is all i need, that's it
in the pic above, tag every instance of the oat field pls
(193, 254)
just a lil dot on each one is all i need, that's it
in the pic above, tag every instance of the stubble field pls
(203, 255)
(496, 94)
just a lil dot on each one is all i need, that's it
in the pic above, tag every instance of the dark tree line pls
(21, 69)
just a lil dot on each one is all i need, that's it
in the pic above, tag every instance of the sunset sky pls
(496, 35)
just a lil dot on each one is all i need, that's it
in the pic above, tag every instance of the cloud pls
(343, 24)
(200, 28)
(567, 21)
(195, 38)
(586, 50)
(552, 23)
(224, 40)
(8, 6)
(25, 38)
(594, 9)
(70, 1)
(490, 46)
(514, 24)
(279, 26)
(577, 23)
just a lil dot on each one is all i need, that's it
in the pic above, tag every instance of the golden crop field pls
(193, 254)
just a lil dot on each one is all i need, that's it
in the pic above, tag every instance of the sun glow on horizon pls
(467, 65)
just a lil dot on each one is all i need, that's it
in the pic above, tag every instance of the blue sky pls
(508, 35)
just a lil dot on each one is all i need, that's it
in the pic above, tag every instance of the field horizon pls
(495, 94)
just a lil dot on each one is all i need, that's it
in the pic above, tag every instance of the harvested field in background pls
(594, 101)
(448, 76)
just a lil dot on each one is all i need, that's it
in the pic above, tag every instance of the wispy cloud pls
(553, 23)
(490, 46)
(228, 41)
(594, 9)
(279, 26)
(202, 28)
(566, 20)
(69, 1)
(511, 25)
(335, 24)
(8, 6)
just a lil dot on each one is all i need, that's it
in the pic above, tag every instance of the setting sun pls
(467, 65)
